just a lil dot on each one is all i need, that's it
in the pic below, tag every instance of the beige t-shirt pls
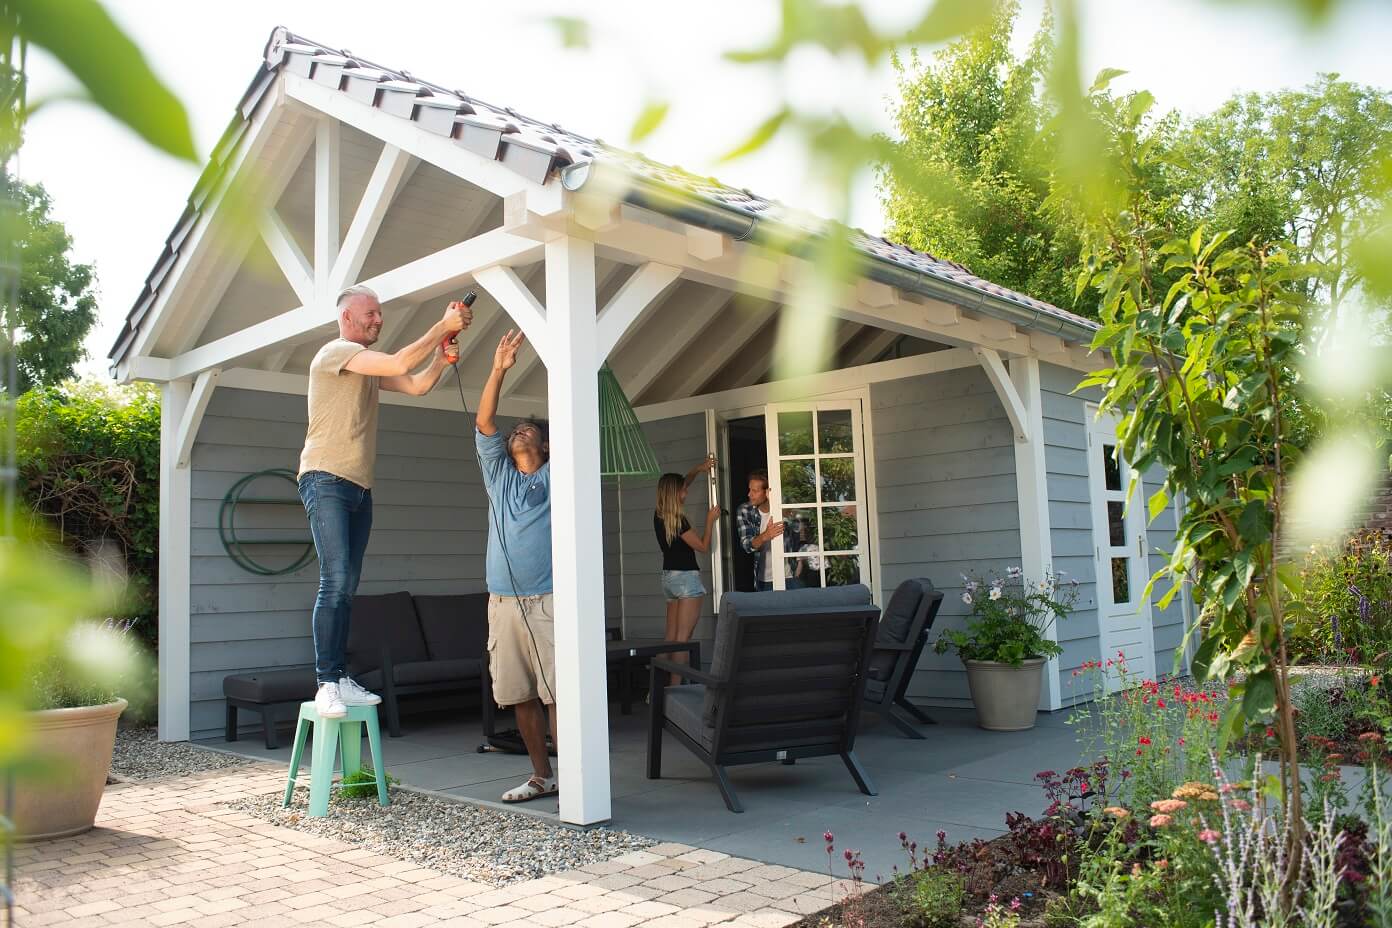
(342, 435)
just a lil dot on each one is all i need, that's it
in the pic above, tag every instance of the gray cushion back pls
(454, 627)
(731, 604)
(386, 620)
(894, 624)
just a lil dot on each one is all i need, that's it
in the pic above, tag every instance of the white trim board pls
(444, 396)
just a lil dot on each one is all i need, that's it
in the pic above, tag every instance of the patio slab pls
(959, 779)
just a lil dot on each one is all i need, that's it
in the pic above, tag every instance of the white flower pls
(995, 592)
(1013, 571)
(972, 585)
(966, 598)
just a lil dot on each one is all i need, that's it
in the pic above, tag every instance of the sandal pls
(535, 788)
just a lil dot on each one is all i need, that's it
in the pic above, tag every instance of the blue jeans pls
(340, 519)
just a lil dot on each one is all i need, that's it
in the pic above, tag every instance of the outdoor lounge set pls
(790, 672)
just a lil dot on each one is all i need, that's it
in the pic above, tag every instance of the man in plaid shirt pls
(757, 529)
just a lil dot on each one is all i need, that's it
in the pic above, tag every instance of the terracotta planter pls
(74, 748)
(1006, 696)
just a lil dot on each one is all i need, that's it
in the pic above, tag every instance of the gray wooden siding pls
(945, 479)
(1168, 622)
(678, 443)
(428, 535)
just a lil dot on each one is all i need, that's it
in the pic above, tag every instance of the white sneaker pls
(354, 695)
(328, 703)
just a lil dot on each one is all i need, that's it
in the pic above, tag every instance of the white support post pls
(1032, 496)
(577, 545)
(174, 537)
(638, 295)
(1005, 388)
(326, 164)
(193, 416)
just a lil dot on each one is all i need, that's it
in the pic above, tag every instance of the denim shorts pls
(682, 584)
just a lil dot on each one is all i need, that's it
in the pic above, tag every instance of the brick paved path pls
(169, 852)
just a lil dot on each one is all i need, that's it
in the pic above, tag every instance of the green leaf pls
(1203, 657)
(759, 137)
(1259, 695)
(574, 32)
(1104, 79)
(652, 116)
(949, 19)
(81, 35)
(1158, 501)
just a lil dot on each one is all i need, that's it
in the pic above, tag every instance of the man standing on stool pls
(336, 467)
(521, 614)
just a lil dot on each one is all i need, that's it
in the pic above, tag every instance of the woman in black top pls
(681, 577)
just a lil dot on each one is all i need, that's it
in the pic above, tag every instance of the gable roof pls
(536, 150)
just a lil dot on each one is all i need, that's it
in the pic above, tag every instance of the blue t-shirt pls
(521, 505)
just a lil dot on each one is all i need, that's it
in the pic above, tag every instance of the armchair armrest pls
(687, 671)
(893, 646)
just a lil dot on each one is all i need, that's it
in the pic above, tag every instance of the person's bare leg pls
(688, 614)
(531, 722)
(670, 633)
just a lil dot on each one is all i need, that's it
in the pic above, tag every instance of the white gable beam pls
(638, 295)
(708, 359)
(286, 251)
(518, 302)
(437, 150)
(327, 160)
(394, 168)
(193, 416)
(1005, 388)
(247, 378)
(691, 326)
(420, 279)
(872, 349)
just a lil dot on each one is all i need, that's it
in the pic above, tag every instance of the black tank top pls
(678, 554)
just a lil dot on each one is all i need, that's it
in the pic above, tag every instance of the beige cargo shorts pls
(522, 648)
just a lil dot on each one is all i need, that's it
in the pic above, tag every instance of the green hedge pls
(89, 469)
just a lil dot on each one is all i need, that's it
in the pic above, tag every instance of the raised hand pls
(506, 354)
(454, 320)
(707, 464)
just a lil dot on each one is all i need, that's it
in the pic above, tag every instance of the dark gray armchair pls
(786, 681)
(899, 644)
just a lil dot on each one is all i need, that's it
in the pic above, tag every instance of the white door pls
(1118, 531)
(817, 486)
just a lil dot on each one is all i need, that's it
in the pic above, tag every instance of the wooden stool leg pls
(297, 752)
(374, 744)
(322, 771)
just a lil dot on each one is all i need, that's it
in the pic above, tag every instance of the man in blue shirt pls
(521, 628)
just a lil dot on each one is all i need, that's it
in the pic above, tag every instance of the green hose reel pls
(236, 545)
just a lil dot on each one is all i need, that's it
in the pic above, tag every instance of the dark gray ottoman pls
(275, 694)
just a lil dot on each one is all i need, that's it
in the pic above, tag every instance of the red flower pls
(1374, 680)
(1160, 703)
(1145, 739)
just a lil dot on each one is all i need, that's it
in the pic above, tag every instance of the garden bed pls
(140, 755)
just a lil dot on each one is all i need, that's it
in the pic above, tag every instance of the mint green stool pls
(344, 735)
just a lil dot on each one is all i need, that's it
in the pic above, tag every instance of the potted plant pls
(1006, 642)
(74, 703)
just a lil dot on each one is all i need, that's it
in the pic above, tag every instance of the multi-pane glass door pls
(817, 488)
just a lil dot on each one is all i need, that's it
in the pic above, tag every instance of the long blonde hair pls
(669, 503)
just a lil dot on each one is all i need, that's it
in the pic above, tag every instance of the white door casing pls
(1124, 622)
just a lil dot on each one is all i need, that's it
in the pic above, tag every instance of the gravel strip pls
(140, 755)
(452, 837)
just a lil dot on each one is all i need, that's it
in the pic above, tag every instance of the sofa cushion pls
(386, 620)
(454, 627)
(682, 707)
(266, 686)
(898, 615)
(731, 604)
(421, 673)
(874, 690)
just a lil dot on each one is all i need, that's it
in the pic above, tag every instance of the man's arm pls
(400, 363)
(421, 382)
(503, 359)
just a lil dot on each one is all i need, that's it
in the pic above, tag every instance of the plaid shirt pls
(747, 520)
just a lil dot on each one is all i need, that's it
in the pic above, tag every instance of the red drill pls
(453, 340)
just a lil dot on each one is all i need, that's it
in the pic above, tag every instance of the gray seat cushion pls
(894, 625)
(682, 706)
(387, 620)
(420, 673)
(731, 604)
(268, 686)
(454, 626)
(874, 690)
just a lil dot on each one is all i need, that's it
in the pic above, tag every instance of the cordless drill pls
(453, 340)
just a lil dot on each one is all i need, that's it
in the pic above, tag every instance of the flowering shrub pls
(1346, 604)
(1010, 618)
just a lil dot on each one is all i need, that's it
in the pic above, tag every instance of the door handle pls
(1140, 545)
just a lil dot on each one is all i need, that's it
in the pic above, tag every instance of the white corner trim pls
(193, 416)
(1005, 389)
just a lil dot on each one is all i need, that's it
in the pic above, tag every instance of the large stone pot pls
(73, 750)
(1006, 696)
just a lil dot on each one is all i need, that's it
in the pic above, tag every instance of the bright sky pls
(119, 199)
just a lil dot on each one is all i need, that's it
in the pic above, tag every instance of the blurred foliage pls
(97, 663)
(89, 471)
(1346, 603)
(57, 298)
